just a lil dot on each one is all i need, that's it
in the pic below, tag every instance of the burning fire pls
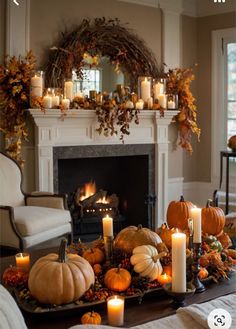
(89, 190)
(102, 200)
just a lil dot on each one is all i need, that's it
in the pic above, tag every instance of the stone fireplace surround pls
(78, 127)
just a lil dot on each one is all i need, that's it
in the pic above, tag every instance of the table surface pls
(154, 305)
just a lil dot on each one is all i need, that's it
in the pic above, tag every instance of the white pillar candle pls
(68, 90)
(139, 104)
(22, 260)
(65, 104)
(55, 101)
(162, 100)
(178, 262)
(171, 105)
(129, 104)
(36, 83)
(158, 89)
(47, 102)
(150, 103)
(196, 215)
(115, 311)
(107, 224)
(145, 90)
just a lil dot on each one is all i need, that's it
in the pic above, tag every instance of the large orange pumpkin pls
(178, 213)
(213, 219)
(132, 237)
(117, 279)
(94, 256)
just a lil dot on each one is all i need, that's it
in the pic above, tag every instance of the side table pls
(227, 155)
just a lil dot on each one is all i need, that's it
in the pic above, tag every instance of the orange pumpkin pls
(91, 318)
(94, 256)
(165, 234)
(224, 240)
(178, 213)
(213, 219)
(97, 269)
(203, 273)
(132, 237)
(117, 279)
(232, 142)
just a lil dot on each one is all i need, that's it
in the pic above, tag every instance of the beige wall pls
(204, 27)
(2, 30)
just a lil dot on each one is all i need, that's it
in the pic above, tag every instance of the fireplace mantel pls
(78, 127)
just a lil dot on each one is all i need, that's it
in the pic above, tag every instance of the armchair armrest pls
(46, 199)
(9, 234)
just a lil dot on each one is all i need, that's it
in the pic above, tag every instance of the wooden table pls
(154, 306)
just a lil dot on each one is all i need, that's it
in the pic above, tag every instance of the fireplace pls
(79, 129)
(124, 170)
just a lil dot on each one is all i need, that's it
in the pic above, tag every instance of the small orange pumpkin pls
(203, 273)
(97, 269)
(94, 256)
(213, 219)
(117, 279)
(91, 318)
(178, 213)
(165, 234)
(224, 240)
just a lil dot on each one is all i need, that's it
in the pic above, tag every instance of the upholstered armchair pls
(28, 220)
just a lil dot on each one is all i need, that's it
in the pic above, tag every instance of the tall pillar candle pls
(107, 224)
(36, 85)
(68, 90)
(145, 89)
(158, 89)
(178, 262)
(196, 215)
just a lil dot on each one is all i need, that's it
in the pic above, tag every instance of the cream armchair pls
(27, 220)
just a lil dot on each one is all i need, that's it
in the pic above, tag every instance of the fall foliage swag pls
(102, 37)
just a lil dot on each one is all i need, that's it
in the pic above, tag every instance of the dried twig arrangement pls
(103, 37)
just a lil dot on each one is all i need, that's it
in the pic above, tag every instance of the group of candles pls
(157, 93)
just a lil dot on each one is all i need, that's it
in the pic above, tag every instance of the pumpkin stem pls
(208, 204)
(160, 255)
(139, 226)
(118, 268)
(62, 251)
(181, 198)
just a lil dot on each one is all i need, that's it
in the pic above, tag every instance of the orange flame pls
(89, 190)
(102, 200)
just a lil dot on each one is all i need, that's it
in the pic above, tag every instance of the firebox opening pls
(125, 176)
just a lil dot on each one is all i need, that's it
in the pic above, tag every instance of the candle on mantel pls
(178, 262)
(139, 104)
(65, 104)
(196, 216)
(22, 260)
(36, 83)
(150, 103)
(68, 90)
(162, 100)
(47, 101)
(164, 278)
(145, 89)
(115, 310)
(171, 105)
(158, 89)
(55, 100)
(107, 224)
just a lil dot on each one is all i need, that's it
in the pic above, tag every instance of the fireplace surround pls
(78, 128)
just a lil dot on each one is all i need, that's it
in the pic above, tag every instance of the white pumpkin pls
(145, 260)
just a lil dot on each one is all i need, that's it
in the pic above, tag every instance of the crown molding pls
(174, 6)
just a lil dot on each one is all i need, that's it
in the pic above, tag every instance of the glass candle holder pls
(115, 310)
(159, 88)
(23, 260)
(172, 101)
(36, 86)
(144, 88)
(68, 89)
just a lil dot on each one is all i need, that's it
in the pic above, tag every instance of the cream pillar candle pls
(107, 224)
(150, 103)
(139, 105)
(158, 89)
(171, 105)
(47, 102)
(115, 310)
(196, 215)
(178, 262)
(65, 104)
(162, 100)
(68, 90)
(36, 83)
(145, 89)
(55, 100)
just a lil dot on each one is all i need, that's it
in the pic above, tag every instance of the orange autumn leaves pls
(14, 100)
(179, 82)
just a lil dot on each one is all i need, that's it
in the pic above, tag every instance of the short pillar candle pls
(115, 310)
(107, 224)
(22, 260)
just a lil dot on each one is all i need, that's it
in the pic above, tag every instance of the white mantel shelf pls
(78, 127)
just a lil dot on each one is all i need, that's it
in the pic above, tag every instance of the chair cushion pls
(32, 220)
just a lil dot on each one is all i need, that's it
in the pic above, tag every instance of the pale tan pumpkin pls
(117, 279)
(94, 256)
(59, 278)
(165, 234)
(146, 261)
(132, 237)
(178, 213)
(213, 219)
(91, 318)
